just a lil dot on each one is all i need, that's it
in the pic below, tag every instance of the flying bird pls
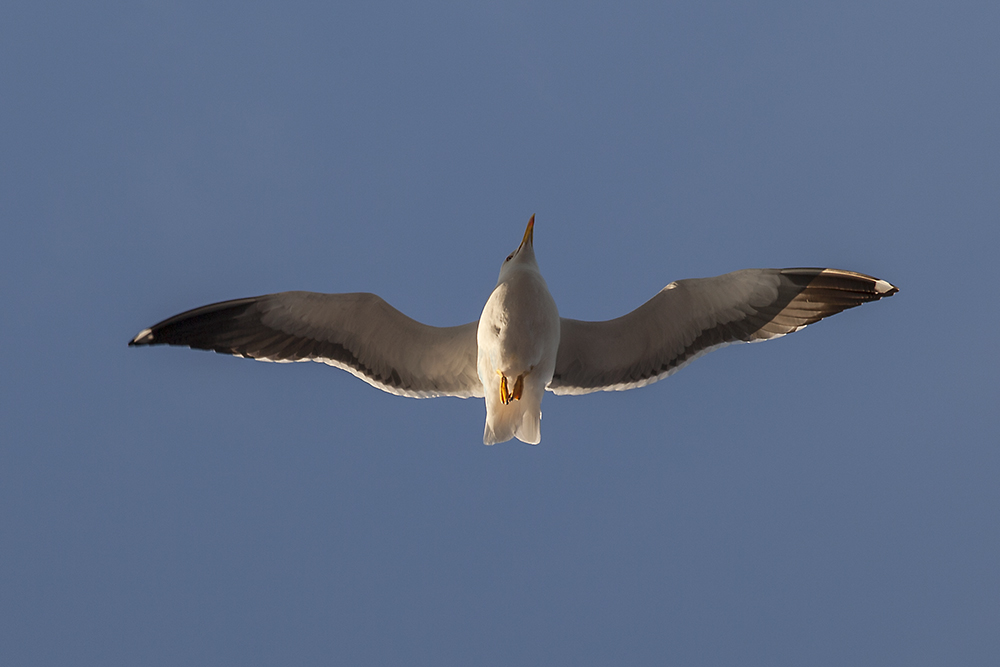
(520, 347)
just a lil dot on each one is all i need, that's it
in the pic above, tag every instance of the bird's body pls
(518, 340)
(520, 347)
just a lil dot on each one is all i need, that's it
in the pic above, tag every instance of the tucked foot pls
(507, 396)
(504, 396)
(518, 387)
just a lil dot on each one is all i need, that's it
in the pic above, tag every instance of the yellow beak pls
(529, 233)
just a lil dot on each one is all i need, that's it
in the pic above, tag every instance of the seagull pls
(520, 347)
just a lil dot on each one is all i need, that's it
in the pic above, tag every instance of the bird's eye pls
(509, 257)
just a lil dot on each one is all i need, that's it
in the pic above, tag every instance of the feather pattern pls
(689, 318)
(360, 333)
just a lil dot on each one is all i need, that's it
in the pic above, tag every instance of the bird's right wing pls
(360, 333)
(689, 318)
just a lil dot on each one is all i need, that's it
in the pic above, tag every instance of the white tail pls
(518, 419)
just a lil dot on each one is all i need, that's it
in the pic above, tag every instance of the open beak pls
(529, 233)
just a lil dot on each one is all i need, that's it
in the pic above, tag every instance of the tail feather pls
(517, 419)
(530, 428)
(502, 422)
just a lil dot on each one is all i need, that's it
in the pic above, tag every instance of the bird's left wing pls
(360, 333)
(689, 318)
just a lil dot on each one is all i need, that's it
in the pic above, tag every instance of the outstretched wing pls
(359, 333)
(689, 318)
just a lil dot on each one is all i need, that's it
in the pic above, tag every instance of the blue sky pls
(829, 498)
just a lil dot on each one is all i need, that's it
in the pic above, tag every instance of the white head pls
(523, 257)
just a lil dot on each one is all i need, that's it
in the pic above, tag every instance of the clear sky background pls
(830, 498)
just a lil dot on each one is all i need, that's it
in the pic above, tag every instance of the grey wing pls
(360, 333)
(689, 318)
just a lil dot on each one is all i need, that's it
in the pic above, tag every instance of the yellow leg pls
(518, 387)
(508, 396)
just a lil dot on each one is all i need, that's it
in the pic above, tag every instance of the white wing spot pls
(882, 286)
(143, 335)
